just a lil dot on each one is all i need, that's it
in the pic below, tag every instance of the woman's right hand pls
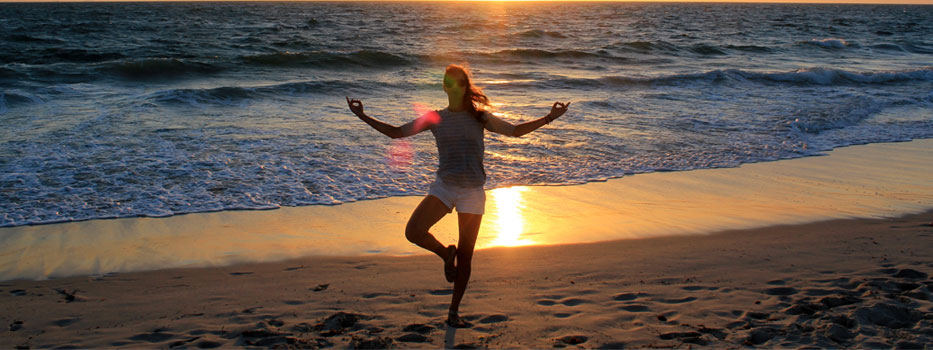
(356, 106)
(557, 110)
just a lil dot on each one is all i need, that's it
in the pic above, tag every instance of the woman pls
(458, 130)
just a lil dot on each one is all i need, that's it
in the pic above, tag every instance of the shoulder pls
(498, 125)
(490, 116)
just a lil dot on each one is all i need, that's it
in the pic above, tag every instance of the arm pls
(557, 110)
(356, 106)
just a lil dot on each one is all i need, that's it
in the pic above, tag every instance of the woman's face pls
(453, 85)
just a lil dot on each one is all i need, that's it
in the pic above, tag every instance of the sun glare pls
(508, 224)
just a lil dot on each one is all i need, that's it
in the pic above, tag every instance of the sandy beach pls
(860, 283)
(865, 181)
(769, 255)
(202, 174)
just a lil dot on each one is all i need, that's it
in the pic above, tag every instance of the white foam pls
(830, 43)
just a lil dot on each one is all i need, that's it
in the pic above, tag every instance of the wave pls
(476, 26)
(646, 46)
(887, 47)
(750, 48)
(703, 49)
(8, 99)
(917, 49)
(537, 33)
(23, 38)
(536, 53)
(807, 76)
(706, 49)
(830, 43)
(531, 55)
(835, 116)
(829, 76)
(158, 68)
(235, 95)
(11, 99)
(57, 55)
(364, 58)
(10, 74)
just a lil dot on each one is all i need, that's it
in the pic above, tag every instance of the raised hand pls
(557, 110)
(356, 106)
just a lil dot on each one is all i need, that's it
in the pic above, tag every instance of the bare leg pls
(469, 229)
(428, 213)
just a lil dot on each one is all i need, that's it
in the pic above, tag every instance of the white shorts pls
(467, 200)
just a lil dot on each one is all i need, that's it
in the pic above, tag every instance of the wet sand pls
(861, 283)
(869, 181)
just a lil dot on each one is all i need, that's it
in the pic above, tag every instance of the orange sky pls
(893, 2)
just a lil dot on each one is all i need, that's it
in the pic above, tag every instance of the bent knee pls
(414, 233)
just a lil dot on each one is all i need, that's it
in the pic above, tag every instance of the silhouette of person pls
(458, 131)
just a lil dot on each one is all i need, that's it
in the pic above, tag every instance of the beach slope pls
(840, 283)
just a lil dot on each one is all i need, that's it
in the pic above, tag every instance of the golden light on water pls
(508, 224)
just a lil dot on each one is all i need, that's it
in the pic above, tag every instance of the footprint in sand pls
(571, 340)
(910, 274)
(66, 322)
(182, 342)
(494, 319)
(629, 296)
(695, 288)
(565, 314)
(565, 302)
(676, 301)
(154, 337)
(817, 292)
(757, 315)
(294, 302)
(375, 295)
(412, 338)
(635, 308)
(781, 291)
(841, 282)
(240, 273)
(418, 328)
(251, 310)
(685, 337)
(441, 292)
(208, 344)
(613, 345)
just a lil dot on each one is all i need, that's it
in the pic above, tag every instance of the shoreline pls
(838, 283)
(874, 180)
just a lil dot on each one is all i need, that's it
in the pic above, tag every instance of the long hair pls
(473, 97)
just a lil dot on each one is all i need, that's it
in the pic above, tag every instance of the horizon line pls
(801, 2)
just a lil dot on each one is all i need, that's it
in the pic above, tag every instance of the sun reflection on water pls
(509, 224)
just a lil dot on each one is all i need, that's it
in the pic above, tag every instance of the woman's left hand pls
(557, 110)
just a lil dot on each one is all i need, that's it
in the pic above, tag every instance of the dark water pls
(127, 109)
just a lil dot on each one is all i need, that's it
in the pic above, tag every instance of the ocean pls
(157, 109)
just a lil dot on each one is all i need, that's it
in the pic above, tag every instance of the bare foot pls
(454, 320)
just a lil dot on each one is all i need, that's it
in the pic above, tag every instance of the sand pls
(827, 252)
(861, 283)
(873, 181)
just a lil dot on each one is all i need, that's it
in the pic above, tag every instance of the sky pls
(922, 2)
